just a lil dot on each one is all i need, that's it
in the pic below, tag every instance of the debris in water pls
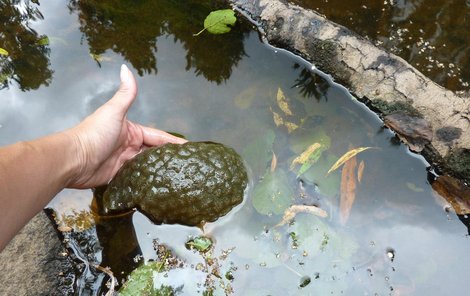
(293, 210)
(305, 281)
(391, 254)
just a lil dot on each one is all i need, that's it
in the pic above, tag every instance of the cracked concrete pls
(371, 74)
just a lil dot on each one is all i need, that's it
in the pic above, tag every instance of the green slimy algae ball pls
(185, 184)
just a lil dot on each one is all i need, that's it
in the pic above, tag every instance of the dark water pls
(398, 239)
(431, 35)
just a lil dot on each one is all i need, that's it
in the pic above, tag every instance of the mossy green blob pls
(185, 184)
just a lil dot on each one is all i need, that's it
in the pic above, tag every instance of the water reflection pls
(132, 30)
(310, 84)
(431, 35)
(28, 61)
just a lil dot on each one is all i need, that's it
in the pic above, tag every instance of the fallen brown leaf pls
(360, 171)
(348, 189)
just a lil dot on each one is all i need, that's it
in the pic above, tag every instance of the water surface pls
(398, 239)
(430, 35)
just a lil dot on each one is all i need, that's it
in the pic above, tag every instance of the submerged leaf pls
(308, 158)
(201, 244)
(327, 185)
(279, 121)
(413, 187)
(348, 189)
(360, 171)
(219, 22)
(258, 153)
(302, 158)
(348, 155)
(140, 281)
(293, 210)
(3, 52)
(283, 103)
(273, 162)
(273, 194)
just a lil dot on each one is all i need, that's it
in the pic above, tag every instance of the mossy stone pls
(185, 184)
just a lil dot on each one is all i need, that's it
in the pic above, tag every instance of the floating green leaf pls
(140, 281)
(3, 52)
(43, 41)
(201, 244)
(273, 194)
(348, 155)
(219, 22)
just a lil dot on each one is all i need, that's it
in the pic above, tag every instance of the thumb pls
(126, 94)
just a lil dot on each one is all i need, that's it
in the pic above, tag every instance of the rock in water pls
(185, 184)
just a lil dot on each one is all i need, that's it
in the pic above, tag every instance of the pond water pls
(430, 35)
(398, 236)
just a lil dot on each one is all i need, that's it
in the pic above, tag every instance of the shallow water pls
(430, 35)
(398, 239)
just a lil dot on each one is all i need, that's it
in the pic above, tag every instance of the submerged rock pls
(184, 184)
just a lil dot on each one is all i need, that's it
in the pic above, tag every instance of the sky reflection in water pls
(233, 106)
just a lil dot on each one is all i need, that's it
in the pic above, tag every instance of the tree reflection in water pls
(131, 28)
(28, 60)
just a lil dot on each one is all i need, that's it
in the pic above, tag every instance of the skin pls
(85, 156)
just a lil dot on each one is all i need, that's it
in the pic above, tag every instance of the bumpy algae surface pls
(179, 184)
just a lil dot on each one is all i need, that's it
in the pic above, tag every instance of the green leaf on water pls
(272, 195)
(201, 244)
(140, 281)
(3, 52)
(43, 41)
(219, 22)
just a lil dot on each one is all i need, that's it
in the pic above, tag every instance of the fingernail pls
(124, 73)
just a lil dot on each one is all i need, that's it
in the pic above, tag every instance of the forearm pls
(31, 174)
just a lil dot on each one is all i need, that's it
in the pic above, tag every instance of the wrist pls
(75, 160)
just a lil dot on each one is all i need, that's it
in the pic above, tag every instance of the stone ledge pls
(35, 262)
(373, 75)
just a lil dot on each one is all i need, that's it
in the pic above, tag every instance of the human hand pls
(106, 139)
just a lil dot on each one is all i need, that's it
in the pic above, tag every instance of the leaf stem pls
(205, 28)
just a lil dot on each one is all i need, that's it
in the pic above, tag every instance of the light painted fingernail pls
(124, 73)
